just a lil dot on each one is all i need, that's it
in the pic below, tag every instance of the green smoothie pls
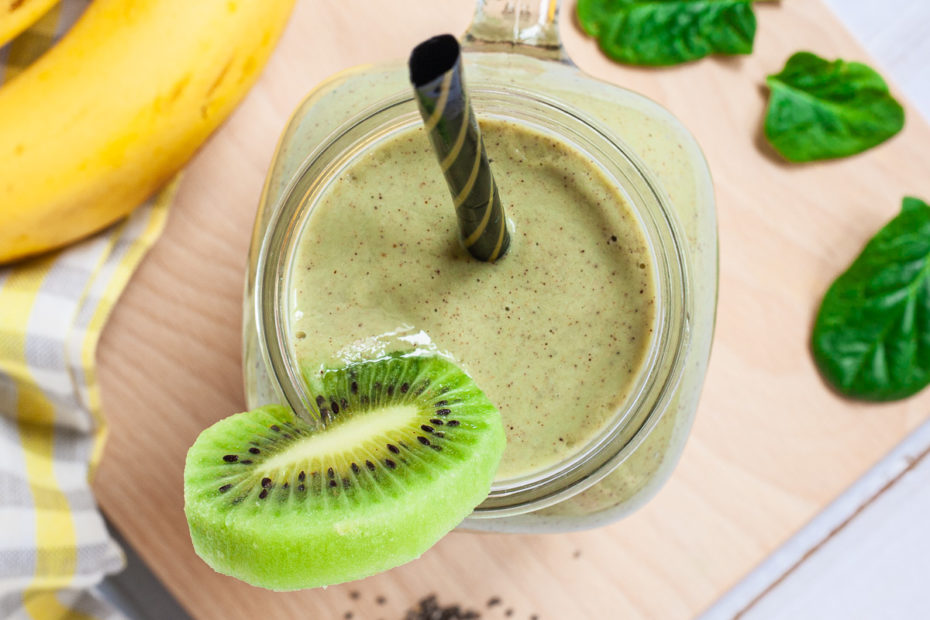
(556, 333)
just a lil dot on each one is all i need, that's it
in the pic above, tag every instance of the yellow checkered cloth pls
(54, 546)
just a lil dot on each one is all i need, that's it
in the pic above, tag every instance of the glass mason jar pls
(516, 70)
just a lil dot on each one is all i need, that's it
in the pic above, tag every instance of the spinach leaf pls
(820, 109)
(871, 338)
(667, 32)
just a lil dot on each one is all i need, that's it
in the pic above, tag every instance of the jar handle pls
(528, 27)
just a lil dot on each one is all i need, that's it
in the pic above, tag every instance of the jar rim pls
(665, 364)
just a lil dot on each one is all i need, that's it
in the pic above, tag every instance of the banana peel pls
(117, 107)
(17, 15)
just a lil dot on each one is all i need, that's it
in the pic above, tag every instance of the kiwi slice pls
(409, 447)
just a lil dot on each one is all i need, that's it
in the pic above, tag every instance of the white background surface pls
(867, 556)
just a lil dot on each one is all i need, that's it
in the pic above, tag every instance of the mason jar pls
(517, 71)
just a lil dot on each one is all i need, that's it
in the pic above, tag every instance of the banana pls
(110, 113)
(17, 15)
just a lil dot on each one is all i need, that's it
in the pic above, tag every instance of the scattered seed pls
(230, 458)
(254, 450)
(346, 483)
(436, 448)
(319, 401)
(393, 448)
(301, 487)
(423, 440)
(442, 403)
(263, 494)
(428, 608)
(302, 476)
(246, 461)
(225, 488)
(354, 387)
(330, 473)
(436, 421)
(275, 428)
(324, 413)
(335, 407)
(332, 483)
(391, 464)
(452, 423)
(370, 465)
(443, 411)
(266, 483)
(391, 390)
(427, 428)
(344, 403)
(439, 434)
(494, 600)
(355, 468)
(404, 387)
(285, 485)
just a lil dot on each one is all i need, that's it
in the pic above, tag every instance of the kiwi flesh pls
(408, 448)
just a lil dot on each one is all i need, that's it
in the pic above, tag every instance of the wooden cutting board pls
(771, 445)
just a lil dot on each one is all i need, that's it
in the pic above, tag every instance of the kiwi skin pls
(287, 547)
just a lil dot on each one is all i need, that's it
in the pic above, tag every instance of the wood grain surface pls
(771, 445)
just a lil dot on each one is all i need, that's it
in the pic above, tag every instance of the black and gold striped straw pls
(436, 73)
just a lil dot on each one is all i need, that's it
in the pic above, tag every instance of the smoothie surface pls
(555, 333)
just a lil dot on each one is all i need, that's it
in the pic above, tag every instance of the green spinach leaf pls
(871, 338)
(668, 32)
(820, 109)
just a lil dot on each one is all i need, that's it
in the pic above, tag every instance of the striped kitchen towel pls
(54, 546)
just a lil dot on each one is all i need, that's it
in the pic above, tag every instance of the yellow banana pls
(17, 15)
(118, 106)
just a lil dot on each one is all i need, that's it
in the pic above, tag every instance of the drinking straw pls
(436, 74)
